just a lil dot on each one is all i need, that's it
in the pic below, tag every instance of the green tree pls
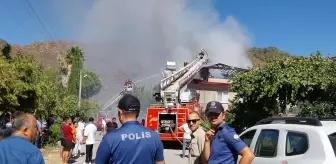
(267, 54)
(22, 82)
(261, 56)
(75, 57)
(316, 109)
(5, 49)
(271, 89)
(56, 101)
(91, 84)
(25, 85)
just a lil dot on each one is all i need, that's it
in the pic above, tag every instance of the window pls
(332, 135)
(248, 137)
(267, 143)
(223, 96)
(332, 139)
(296, 143)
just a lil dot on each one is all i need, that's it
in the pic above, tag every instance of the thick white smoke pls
(132, 39)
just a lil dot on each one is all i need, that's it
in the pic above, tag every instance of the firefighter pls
(131, 143)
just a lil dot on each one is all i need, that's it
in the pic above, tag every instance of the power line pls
(40, 23)
(31, 15)
(34, 18)
(51, 27)
(38, 19)
(46, 18)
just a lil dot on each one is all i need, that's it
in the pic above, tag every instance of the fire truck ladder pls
(128, 88)
(173, 84)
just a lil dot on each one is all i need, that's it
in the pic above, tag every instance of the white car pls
(292, 140)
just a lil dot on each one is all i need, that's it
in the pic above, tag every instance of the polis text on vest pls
(135, 136)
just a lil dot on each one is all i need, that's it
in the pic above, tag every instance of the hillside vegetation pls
(48, 52)
(305, 86)
(261, 56)
(43, 78)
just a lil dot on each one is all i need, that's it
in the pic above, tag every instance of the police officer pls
(131, 143)
(222, 144)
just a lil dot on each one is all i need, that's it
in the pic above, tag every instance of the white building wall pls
(215, 93)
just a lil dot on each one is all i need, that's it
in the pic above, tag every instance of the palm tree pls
(75, 58)
(74, 53)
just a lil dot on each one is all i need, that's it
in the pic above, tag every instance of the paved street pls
(171, 156)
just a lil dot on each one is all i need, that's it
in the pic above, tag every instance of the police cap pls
(214, 107)
(129, 103)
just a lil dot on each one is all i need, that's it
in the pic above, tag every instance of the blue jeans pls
(184, 147)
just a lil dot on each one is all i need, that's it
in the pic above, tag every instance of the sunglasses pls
(193, 121)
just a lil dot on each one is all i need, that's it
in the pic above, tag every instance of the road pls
(172, 156)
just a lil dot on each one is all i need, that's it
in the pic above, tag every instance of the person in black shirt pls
(109, 127)
(114, 123)
(50, 121)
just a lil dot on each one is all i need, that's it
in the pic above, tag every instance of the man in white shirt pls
(104, 127)
(186, 137)
(79, 137)
(89, 139)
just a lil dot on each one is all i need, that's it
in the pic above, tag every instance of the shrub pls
(55, 133)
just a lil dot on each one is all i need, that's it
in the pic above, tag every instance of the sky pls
(299, 27)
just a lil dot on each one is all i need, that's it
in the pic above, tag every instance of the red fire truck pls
(102, 115)
(175, 102)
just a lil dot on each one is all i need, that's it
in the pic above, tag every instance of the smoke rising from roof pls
(132, 39)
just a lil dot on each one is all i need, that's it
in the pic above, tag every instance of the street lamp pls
(80, 89)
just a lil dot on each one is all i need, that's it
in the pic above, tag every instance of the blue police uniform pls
(131, 143)
(226, 144)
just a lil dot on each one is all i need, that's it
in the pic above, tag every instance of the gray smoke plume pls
(132, 39)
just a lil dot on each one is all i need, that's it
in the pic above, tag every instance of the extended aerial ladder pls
(103, 113)
(173, 85)
(128, 88)
(172, 111)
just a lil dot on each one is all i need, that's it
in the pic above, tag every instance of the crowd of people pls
(72, 135)
(132, 143)
(7, 121)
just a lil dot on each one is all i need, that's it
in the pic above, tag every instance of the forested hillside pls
(260, 56)
(43, 78)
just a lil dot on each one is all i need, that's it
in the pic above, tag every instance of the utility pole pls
(80, 89)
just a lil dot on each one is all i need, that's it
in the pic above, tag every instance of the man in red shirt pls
(68, 137)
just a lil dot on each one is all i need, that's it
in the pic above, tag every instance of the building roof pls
(223, 71)
(333, 58)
